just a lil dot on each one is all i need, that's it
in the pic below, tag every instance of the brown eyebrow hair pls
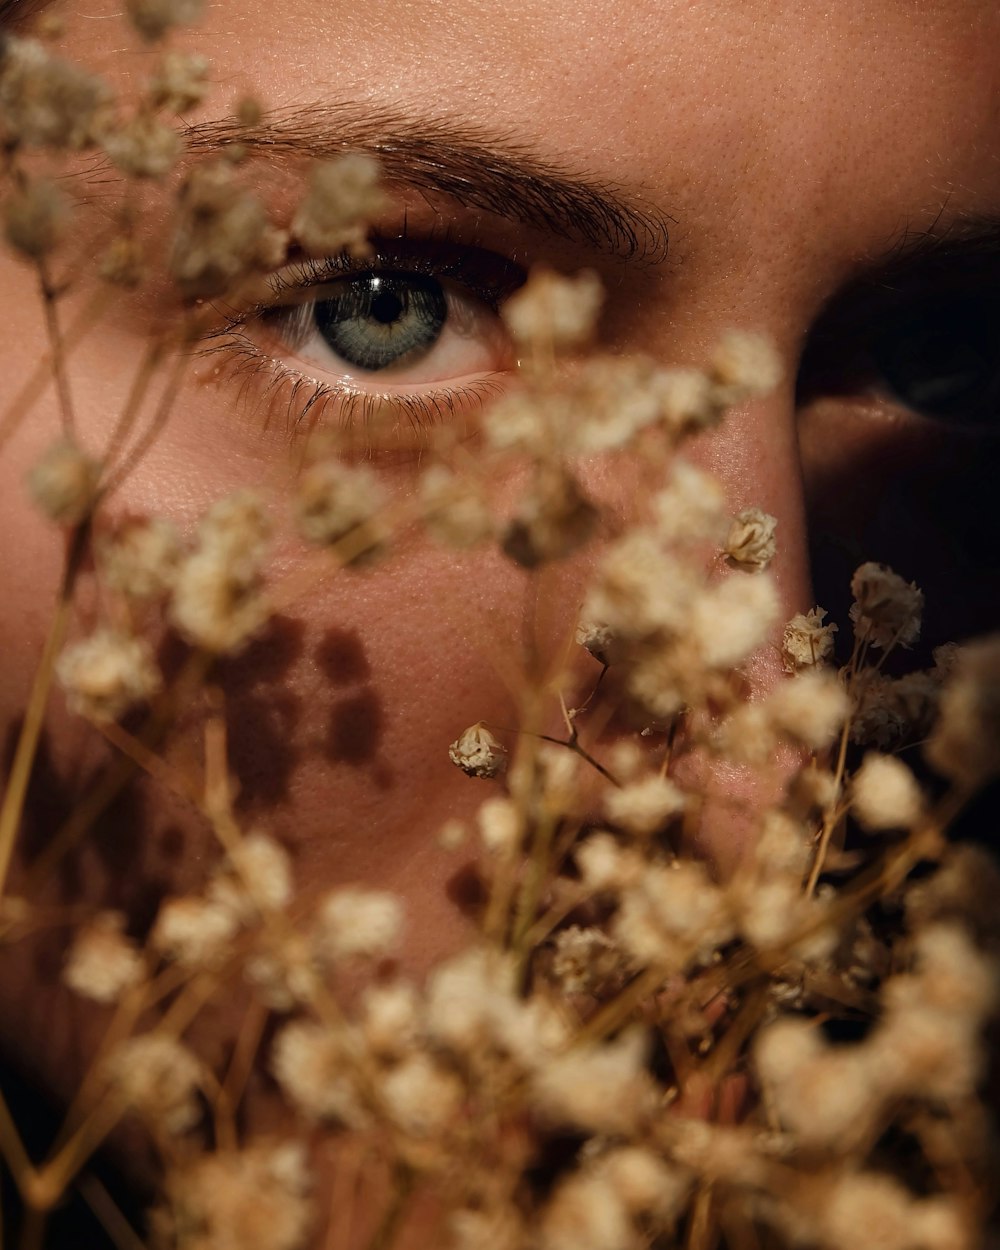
(496, 172)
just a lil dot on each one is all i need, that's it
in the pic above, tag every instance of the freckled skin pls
(783, 144)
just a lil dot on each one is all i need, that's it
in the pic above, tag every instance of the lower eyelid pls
(273, 397)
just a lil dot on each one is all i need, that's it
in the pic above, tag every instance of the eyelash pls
(307, 401)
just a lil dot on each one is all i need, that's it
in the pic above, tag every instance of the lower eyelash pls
(307, 404)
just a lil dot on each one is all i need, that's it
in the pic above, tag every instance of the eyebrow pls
(476, 168)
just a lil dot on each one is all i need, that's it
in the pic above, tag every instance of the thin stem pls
(35, 385)
(57, 347)
(12, 1148)
(109, 1214)
(31, 729)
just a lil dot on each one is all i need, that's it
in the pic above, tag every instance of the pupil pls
(386, 307)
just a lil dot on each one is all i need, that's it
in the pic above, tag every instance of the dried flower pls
(253, 1199)
(312, 1067)
(353, 921)
(643, 807)
(194, 932)
(885, 794)
(143, 147)
(745, 366)
(586, 1213)
(750, 543)
(180, 81)
(153, 18)
(35, 216)
(553, 310)
(159, 1077)
(344, 196)
(965, 744)
(599, 1088)
(456, 513)
(334, 500)
(500, 826)
(222, 234)
(553, 519)
(733, 618)
(216, 601)
(886, 610)
(105, 674)
(807, 642)
(478, 753)
(391, 1018)
(64, 482)
(809, 708)
(690, 507)
(46, 101)
(103, 962)
(421, 1096)
(140, 558)
(123, 264)
(586, 961)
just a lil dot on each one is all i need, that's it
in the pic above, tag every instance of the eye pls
(929, 348)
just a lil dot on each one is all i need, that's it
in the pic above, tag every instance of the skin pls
(785, 146)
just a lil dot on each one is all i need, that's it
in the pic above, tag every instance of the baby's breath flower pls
(642, 807)
(599, 1088)
(879, 717)
(252, 1199)
(745, 365)
(822, 1095)
(103, 962)
(158, 1077)
(344, 197)
(263, 869)
(807, 642)
(604, 865)
(599, 640)
(478, 753)
(421, 1096)
(731, 619)
(456, 512)
(874, 1210)
(586, 961)
(673, 914)
(641, 590)
(105, 674)
(391, 1018)
(334, 500)
(46, 101)
(222, 234)
(885, 794)
(644, 1182)
(465, 995)
(690, 507)
(180, 81)
(123, 263)
(143, 147)
(310, 1064)
(750, 543)
(63, 483)
(154, 18)
(500, 826)
(353, 921)
(809, 708)
(35, 216)
(965, 744)
(194, 932)
(216, 601)
(553, 519)
(586, 1213)
(886, 610)
(140, 558)
(554, 310)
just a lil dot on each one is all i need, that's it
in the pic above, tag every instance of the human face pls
(787, 151)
